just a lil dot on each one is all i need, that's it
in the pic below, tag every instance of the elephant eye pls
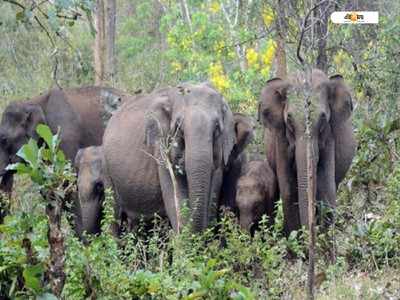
(217, 127)
(98, 187)
(3, 140)
(323, 123)
(266, 113)
(290, 123)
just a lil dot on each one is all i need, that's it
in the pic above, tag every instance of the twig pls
(15, 3)
(303, 30)
(255, 38)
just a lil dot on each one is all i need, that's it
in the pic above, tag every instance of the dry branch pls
(55, 237)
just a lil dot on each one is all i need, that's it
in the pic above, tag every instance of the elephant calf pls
(244, 131)
(257, 192)
(91, 183)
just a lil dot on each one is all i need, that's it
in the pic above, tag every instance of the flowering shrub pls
(218, 78)
(212, 48)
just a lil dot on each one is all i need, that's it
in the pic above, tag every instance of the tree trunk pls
(321, 32)
(110, 40)
(186, 14)
(55, 237)
(311, 216)
(98, 43)
(281, 28)
(104, 47)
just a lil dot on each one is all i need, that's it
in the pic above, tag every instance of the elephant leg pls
(326, 185)
(7, 183)
(326, 194)
(271, 201)
(216, 185)
(287, 185)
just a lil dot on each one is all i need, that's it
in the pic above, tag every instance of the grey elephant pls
(79, 112)
(257, 193)
(169, 146)
(281, 111)
(91, 183)
(244, 130)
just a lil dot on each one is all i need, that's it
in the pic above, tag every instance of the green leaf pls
(60, 156)
(29, 153)
(55, 140)
(45, 133)
(32, 276)
(21, 168)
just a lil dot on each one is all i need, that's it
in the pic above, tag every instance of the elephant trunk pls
(90, 213)
(302, 178)
(199, 169)
(246, 221)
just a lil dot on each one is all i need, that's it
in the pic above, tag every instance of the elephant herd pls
(183, 146)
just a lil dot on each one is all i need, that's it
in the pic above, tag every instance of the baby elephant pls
(91, 182)
(257, 193)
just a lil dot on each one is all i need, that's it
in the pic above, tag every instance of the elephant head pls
(256, 193)
(91, 182)
(198, 125)
(281, 108)
(250, 201)
(18, 124)
(244, 130)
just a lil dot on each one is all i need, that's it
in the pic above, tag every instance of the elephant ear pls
(339, 99)
(158, 118)
(34, 116)
(229, 136)
(272, 103)
(77, 159)
(244, 132)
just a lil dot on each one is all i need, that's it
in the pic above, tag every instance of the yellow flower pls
(269, 54)
(215, 7)
(186, 43)
(231, 54)
(218, 46)
(176, 66)
(267, 58)
(340, 58)
(252, 57)
(268, 16)
(218, 78)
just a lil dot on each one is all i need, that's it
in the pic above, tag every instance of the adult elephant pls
(80, 113)
(187, 131)
(281, 111)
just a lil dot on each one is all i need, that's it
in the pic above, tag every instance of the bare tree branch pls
(303, 30)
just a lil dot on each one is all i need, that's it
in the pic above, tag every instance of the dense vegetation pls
(156, 47)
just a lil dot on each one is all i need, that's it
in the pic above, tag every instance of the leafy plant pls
(49, 170)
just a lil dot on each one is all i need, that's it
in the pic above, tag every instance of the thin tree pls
(104, 46)
(281, 30)
(321, 15)
(313, 38)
